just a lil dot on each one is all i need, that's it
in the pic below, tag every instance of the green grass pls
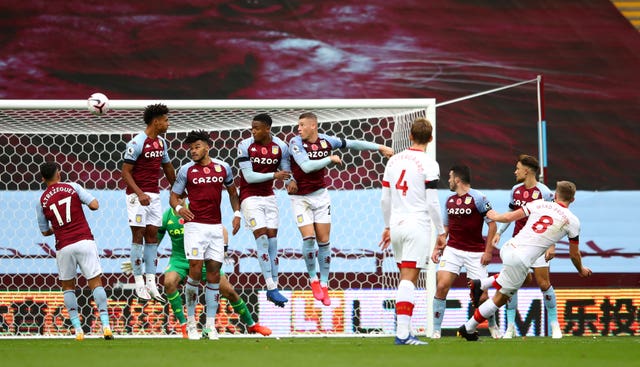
(327, 352)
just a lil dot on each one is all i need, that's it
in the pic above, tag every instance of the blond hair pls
(566, 190)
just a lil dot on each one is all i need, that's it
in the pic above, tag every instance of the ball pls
(98, 104)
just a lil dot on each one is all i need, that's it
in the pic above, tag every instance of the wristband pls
(237, 214)
(177, 208)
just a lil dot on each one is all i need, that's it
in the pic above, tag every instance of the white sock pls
(404, 298)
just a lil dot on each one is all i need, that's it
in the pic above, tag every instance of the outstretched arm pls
(365, 145)
(506, 217)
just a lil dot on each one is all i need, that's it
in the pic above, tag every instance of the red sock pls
(495, 284)
(478, 316)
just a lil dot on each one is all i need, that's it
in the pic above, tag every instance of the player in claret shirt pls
(203, 180)
(59, 212)
(146, 153)
(262, 159)
(463, 218)
(310, 155)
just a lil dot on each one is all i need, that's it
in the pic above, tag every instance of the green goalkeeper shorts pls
(182, 268)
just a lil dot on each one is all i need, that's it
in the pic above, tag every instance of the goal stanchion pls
(89, 150)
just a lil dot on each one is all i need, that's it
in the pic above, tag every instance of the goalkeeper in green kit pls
(178, 269)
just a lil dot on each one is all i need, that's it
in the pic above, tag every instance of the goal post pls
(89, 150)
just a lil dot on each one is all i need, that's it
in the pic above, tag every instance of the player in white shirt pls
(547, 223)
(526, 190)
(409, 205)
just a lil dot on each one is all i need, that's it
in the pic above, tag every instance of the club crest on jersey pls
(323, 144)
(252, 222)
(206, 170)
(264, 150)
(138, 218)
(217, 167)
(299, 218)
(535, 195)
(467, 200)
(274, 149)
(160, 143)
(194, 252)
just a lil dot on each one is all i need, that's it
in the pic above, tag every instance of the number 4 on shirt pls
(401, 184)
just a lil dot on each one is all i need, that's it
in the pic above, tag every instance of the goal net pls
(89, 150)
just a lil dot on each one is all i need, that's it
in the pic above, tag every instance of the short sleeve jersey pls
(302, 151)
(263, 159)
(464, 215)
(174, 226)
(547, 223)
(407, 175)
(61, 205)
(146, 155)
(204, 186)
(520, 195)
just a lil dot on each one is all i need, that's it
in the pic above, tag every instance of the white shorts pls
(514, 270)
(203, 241)
(260, 212)
(540, 263)
(312, 208)
(411, 242)
(83, 254)
(453, 260)
(142, 216)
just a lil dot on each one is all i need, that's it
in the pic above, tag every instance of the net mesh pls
(89, 150)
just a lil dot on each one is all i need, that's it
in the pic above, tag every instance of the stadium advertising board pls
(596, 312)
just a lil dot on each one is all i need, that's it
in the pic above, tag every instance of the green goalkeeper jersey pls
(174, 225)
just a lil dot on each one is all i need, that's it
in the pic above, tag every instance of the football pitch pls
(311, 352)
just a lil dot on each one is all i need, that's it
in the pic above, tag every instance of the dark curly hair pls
(153, 111)
(195, 135)
(264, 118)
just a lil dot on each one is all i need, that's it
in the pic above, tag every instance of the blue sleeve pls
(165, 156)
(246, 167)
(512, 205)
(43, 223)
(243, 155)
(285, 162)
(314, 165)
(297, 151)
(84, 195)
(336, 143)
(361, 145)
(134, 149)
(228, 180)
(547, 194)
(445, 215)
(181, 180)
(256, 177)
(482, 204)
(302, 159)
